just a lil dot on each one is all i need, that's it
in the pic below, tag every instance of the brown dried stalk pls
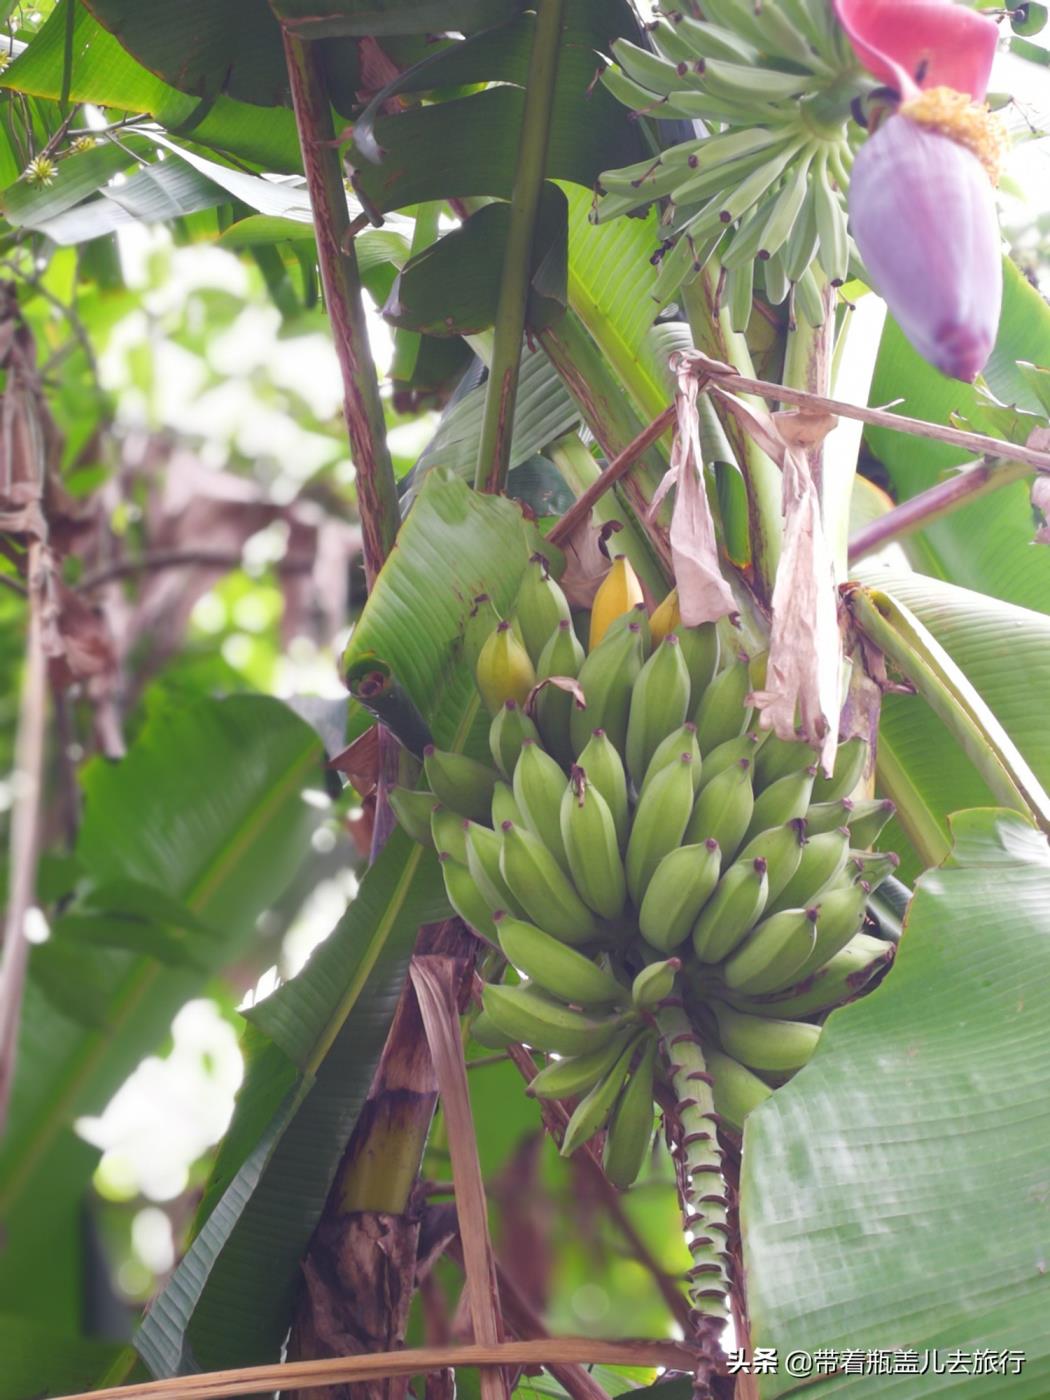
(435, 980)
(303, 1375)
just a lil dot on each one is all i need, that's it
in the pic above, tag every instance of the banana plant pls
(706, 690)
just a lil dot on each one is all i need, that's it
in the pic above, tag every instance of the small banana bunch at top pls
(766, 185)
(634, 844)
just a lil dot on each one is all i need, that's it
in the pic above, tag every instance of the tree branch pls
(362, 407)
(502, 392)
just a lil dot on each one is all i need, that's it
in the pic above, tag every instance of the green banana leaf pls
(312, 1046)
(893, 1195)
(233, 832)
(101, 71)
(1004, 651)
(985, 546)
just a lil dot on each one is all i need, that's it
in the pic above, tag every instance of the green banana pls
(448, 833)
(832, 232)
(654, 983)
(679, 741)
(866, 820)
(840, 914)
(563, 655)
(592, 1112)
(651, 178)
(778, 758)
(531, 1017)
(836, 982)
(872, 866)
(828, 816)
(542, 888)
(607, 678)
(740, 294)
(462, 784)
(483, 847)
(413, 809)
(801, 247)
(808, 300)
(738, 900)
(680, 887)
(771, 955)
(736, 1090)
(708, 181)
(846, 774)
(723, 810)
(465, 897)
(588, 835)
(483, 1031)
(506, 733)
(504, 670)
(659, 823)
(570, 1077)
(659, 704)
(631, 1127)
(657, 75)
(539, 785)
(540, 606)
(765, 1043)
(784, 210)
(504, 808)
(705, 40)
(822, 861)
(774, 278)
(781, 847)
(781, 802)
(556, 968)
(722, 714)
(717, 760)
(601, 761)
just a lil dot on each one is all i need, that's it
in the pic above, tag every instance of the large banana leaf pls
(894, 1194)
(232, 830)
(1004, 651)
(313, 1045)
(101, 71)
(985, 546)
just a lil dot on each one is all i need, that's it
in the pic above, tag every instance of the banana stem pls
(702, 1189)
(494, 447)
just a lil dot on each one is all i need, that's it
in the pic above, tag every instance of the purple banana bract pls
(922, 211)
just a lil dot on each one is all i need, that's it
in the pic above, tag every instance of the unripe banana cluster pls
(766, 186)
(636, 843)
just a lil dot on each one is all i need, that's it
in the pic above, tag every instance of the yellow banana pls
(666, 617)
(738, 900)
(504, 670)
(618, 593)
(681, 885)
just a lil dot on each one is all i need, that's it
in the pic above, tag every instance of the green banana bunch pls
(841, 979)
(768, 181)
(542, 888)
(631, 1128)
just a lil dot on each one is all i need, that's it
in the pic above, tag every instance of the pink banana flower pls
(921, 201)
